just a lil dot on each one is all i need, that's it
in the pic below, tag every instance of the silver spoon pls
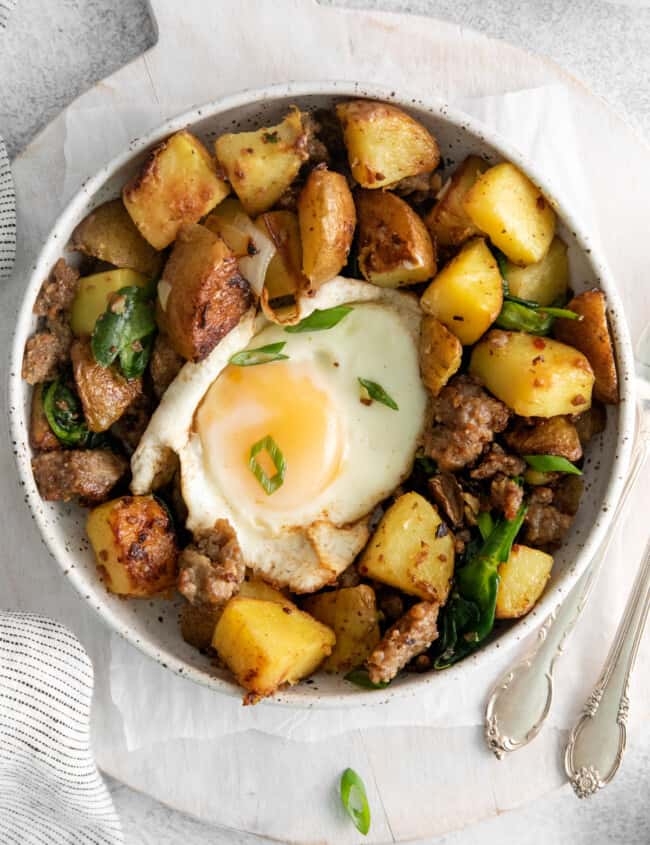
(521, 699)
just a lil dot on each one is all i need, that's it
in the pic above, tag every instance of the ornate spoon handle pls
(597, 742)
(520, 701)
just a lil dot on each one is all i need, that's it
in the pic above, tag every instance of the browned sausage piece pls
(85, 474)
(408, 637)
(497, 460)
(211, 568)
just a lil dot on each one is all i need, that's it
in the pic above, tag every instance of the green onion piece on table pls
(319, 321)
(370, 391)
(355, 800)
(261, 355)
(551, 463)
(269, 483)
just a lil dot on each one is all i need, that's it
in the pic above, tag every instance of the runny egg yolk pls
(281, 399)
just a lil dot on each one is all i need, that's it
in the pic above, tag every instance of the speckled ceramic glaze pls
(152, 625)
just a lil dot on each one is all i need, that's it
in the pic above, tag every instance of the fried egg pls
(343, 452)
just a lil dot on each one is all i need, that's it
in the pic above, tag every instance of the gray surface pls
(55, 50)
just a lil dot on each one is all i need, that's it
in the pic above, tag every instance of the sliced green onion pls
(319, 321)
(551, 463)
(485, 524)
(565, 313)
(361, 678)
(355, 800)
(64, 414)
(371, 390)
(269, 445)
(261, 355)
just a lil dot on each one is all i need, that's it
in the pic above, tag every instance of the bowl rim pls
(302, 696)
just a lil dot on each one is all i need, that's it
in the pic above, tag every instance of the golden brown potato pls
(522, 579)
(327, 219)
(266, 644)
(109, 233)
(105, 394)
(41, 436)
(205, 295)
(198, 623)
(177, 185)
(440, 354)
(467, 294)
(221, 221)
(284, 277)
(255, 588)
(352, 614)
(93, 296)
(546, 281)
(534, 376)
(591, 336)
(261, 165)
(591, 423)
(448, 222)
(412, 550)
(384, 143)
(554, 436)
(394, 246)
(135, 546)
(513, 212)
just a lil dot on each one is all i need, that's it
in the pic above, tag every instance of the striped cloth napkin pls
(7, 210)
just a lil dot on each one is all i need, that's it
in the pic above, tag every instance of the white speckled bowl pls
(152, 625)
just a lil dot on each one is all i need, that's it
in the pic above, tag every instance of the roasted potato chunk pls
(284, 277)
(177, 185)
(41, 436)
(352, 614)
(221, 221)
(467, 294)
(262, 164)
(591, 336)
(266, 644)
(546, 281)
(327, 219)
(384, 143)
(513, 212)
(135, 546)
(412, 549)
(448, 222)
(554, 436)
(394, 246)
(255, 588)
(93, 296)
(105, 394)
(440, 354)
(522, 579)
(204, 293)
(108, 233)
(534, 376)
(198, 623)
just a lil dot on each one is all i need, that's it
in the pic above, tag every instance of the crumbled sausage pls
(465, 419)
(212, 567)
(42, 358)
(497, 460)
(448, 495)
(165, 364)
(506, 495)
(88, 474)
(407, 638)
(544, 524)
(57, 292)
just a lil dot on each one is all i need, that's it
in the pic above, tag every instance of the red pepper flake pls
(539, 343)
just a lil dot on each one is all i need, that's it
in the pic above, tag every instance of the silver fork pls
(521, 699)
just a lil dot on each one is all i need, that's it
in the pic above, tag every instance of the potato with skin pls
(441, 354)
(448, 222)
(205, 295)
(544, 282)
(412, 549)
(197, 623)
(266, 644)
(94, 294)
(591, 336)
(327, 219)
(534, 376)
(109, 234)
(177, 185)
(135, 546)
(284, 277)
(394, 246)
(522, 579)
(352, 614)
(41, 436)
(104, 392)
(554, 436)
(261, 165)
(384, 143)
(467, 294)
(221, 221)
(513, 212)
